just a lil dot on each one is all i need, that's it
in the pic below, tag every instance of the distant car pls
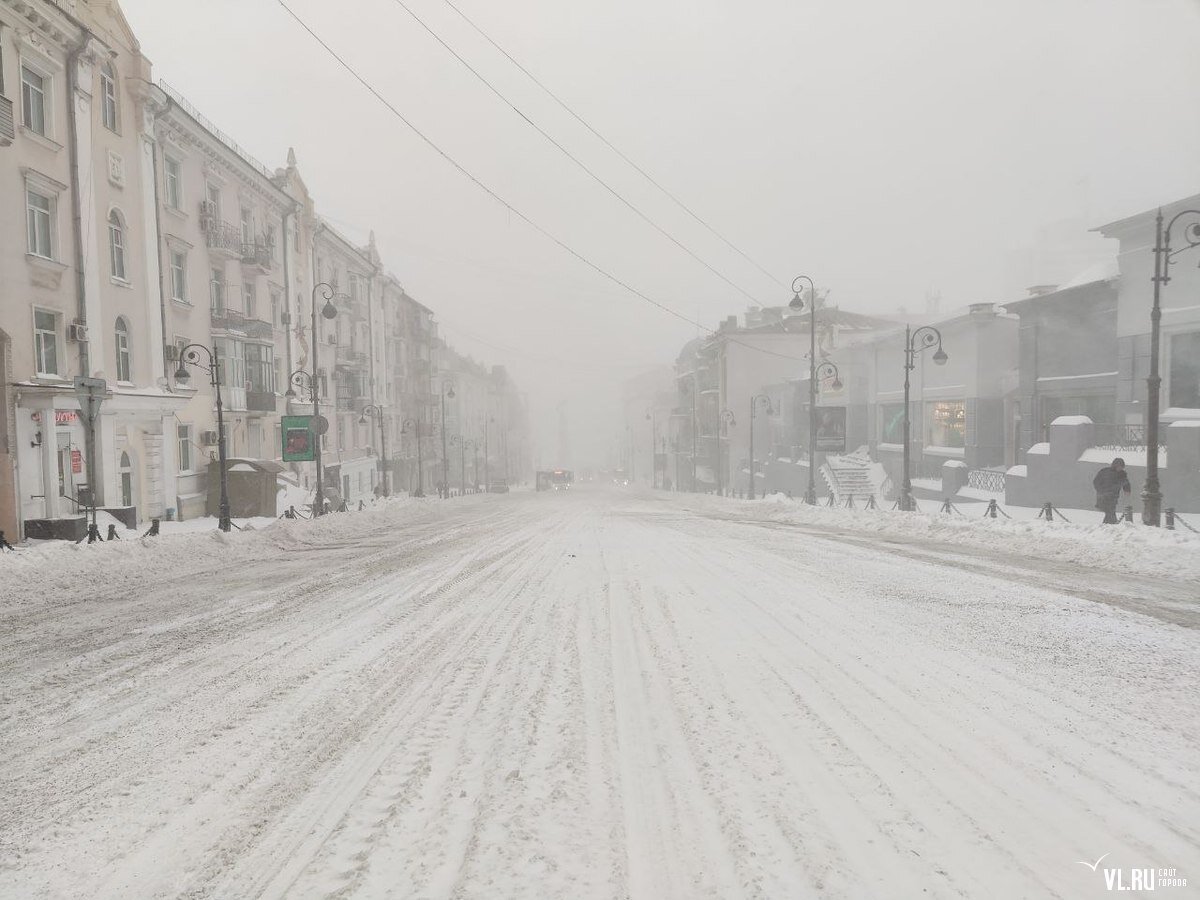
(498, 486)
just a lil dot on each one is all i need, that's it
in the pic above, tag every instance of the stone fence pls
(1061, 470)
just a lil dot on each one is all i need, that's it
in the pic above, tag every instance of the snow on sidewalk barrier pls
(1154, 552)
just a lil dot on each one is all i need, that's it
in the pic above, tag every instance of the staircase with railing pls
(854, 475)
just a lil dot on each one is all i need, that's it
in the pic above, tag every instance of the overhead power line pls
(429, 142)
(571, 156)
(582, 121)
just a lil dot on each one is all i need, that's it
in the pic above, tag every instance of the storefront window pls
(945, 423)
(1184, 383)
(891, 423)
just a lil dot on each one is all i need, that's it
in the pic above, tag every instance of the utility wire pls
(491, 193)
(571, 156)
(578, 118)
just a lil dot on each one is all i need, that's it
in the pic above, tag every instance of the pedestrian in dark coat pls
(1109, 483)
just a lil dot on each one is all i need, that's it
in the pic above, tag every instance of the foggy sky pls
(885, 149)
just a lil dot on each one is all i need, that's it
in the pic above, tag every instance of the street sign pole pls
(91, 393)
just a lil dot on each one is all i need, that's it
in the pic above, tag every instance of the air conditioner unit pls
(78, 333)
(208, 438)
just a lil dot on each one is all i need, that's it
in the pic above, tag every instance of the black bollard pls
(112, 533)
(991, 510)
(5, 545)
(153, 529)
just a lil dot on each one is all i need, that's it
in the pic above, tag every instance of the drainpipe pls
(158, 246)
(287, 291)
(76, 199)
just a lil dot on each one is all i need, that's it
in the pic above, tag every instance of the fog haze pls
(887, 150)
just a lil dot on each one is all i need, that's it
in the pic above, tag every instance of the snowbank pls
(63, 568)
(1131, 548)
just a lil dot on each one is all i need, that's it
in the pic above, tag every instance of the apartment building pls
(78, 269)
(222, 221)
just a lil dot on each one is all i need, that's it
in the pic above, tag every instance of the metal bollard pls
(1048, 512)
(153, 530)
(5, 545)
(112, 533)
(991, 509)
(1168, 515)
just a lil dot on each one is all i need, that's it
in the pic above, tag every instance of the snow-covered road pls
(593, 695)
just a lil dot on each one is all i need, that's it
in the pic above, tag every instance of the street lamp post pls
(692, 389)
(447, 391)
(825, 370)
(754, 402)
(375, 411)
(725, 420)
(416, 426)
(487, 459)
(329, 311)
(190, 356)
(915, 342)
(1151, 493)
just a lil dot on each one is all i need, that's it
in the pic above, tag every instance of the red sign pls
(76, 462)
(61, 416)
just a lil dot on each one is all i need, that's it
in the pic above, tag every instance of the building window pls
(216, 291)
(249, 300)
(124, 366)
(108, 97)
(260, 368)
(34, 87)
(212, 199)
(179, 276)
(173, 181)
(1185, 371)
(946, 422)
(247, 226)
(185, 448)
(45, 342)
(116, 245)
(39, 211)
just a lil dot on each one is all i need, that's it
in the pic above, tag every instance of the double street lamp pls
(824, 370)
(1163, 254)
(190, 356)
(310, 381)
(415, 425)
(915, 342)
(755, 402)
(375, 411)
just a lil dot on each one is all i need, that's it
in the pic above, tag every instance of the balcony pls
(220, 237)
(258, 254)
(226, 319)
(260, 401)
(226, 239)
(350, 358)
